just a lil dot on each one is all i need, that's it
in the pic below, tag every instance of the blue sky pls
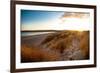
(54, 20)
(34, 16)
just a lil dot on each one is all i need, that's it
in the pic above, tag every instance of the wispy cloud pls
(75, 15)
(43, 20)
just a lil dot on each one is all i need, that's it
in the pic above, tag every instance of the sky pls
(53, 20)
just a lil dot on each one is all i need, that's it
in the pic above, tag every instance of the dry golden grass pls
(61, 41)
(34, 54)
(65, 45)
(84, 44)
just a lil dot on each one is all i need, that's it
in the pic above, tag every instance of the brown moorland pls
(57, 46)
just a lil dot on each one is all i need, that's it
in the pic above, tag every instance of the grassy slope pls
(64, 45)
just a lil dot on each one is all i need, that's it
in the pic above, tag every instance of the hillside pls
(58, 46)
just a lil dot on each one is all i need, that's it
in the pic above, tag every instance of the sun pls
(73, 23)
